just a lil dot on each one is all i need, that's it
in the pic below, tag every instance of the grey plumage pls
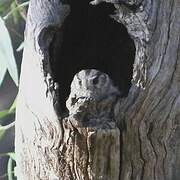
(92, 95)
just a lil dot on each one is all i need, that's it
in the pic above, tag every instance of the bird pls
(92, 97)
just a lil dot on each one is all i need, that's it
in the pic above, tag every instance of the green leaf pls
(4, 113)
(17, 8)
(6, 52)
(15, 12)
(21, 46)
(12, 155)
(7, 127)
(13, 107)
(10, 169)
(9, 111)
(2, 133)
(3, 69)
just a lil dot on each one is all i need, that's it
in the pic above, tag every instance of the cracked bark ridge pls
(89, 153)
(134, 15)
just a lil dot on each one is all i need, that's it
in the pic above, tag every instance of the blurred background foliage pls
(12, 24)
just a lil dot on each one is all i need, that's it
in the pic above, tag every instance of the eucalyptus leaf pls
(7, 127)
(4, 113)
(12, 155)
(21, 46)
(3, 69)
(6, 52)
(10, 169)
(2, 133)
(15, 12)
(9, 111)
(13, 107)
(16, 8)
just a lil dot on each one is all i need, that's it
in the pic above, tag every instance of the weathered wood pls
(89, 153)
(146, 146)
(150, 142)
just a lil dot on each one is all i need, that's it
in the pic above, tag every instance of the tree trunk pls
(137, 137)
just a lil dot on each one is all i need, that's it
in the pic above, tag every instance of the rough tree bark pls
(137, 137)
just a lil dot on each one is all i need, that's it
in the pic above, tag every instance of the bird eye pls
(80, 82)
(95, 80)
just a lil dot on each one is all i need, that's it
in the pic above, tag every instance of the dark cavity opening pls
(91, 39)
